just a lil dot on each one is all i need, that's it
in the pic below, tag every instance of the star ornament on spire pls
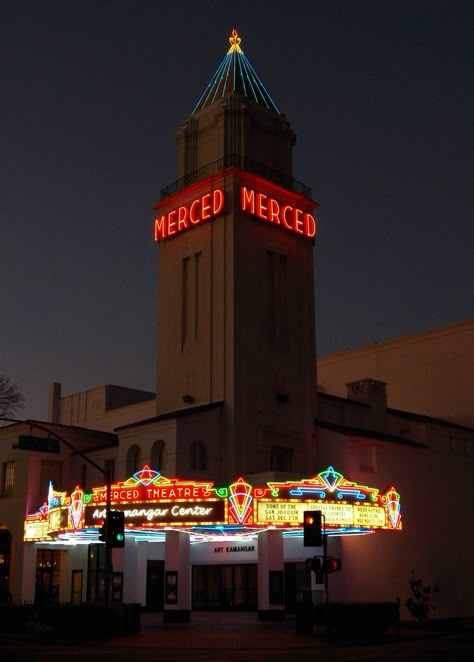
(234, 41)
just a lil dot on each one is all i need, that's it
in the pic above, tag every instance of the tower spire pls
(235, 74)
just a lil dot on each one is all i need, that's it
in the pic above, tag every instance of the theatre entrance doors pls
(225, 587)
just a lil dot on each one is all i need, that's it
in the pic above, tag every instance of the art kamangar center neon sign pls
(153, 501)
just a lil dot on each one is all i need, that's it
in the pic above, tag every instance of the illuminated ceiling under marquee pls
(154, 503)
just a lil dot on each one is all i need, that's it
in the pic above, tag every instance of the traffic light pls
(315, 564)
(312, 534)
(115, 528)
(332, 564)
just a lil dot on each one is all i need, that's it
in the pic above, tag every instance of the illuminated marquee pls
(163, 514)
(335, 514)
(269, 209)
(203, 208)
(153, 501)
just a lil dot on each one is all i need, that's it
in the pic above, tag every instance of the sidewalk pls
(239, 630)
(234, 631)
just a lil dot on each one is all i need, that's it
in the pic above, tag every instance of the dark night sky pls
(380, 95)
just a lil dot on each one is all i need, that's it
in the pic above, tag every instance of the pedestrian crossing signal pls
(332, 564)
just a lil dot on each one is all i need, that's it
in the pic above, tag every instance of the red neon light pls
(269, 209)
(204, 208)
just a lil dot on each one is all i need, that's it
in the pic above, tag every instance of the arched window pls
(133, 462)
(157, 459)
(197, 458)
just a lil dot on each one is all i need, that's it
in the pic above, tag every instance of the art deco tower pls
(236, 295)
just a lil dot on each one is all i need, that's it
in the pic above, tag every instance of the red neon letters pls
(202, 209)
(253, 202)
(269, 209)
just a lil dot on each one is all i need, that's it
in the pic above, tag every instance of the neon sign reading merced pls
(257, 197)
(151, 500)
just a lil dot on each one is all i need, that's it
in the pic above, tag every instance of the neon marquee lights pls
(240, 503)
(153, 501)
(269, 209)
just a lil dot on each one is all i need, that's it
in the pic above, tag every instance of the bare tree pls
(11, 398)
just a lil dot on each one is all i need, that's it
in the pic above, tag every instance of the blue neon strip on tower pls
(235, 74)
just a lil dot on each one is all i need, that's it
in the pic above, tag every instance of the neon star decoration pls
(240, 502)
(235, 74)
(146, 475)
(392, 502)
(76, 509)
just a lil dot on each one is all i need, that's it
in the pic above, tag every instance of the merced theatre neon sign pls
(254, 200)
(153, 501)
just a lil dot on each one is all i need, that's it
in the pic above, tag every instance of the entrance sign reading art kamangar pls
(153, 501)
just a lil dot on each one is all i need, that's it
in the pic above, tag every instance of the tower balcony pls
(242, 163)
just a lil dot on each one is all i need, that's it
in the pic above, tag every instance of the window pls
(184, 299)
(158, 455)
(197, 455)
(197, 260)
(276, 298)
(8, 478)
(133, 460)
(190, 302)
(281, 458)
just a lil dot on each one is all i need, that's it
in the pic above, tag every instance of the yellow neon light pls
(234, 41)
(279, 512)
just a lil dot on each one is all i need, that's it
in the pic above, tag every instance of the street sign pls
(39, 444)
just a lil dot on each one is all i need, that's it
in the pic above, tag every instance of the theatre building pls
(215, 471)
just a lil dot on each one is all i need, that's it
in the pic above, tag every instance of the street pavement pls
(229, 637)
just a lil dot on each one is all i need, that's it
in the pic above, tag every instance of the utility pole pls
(105, 473)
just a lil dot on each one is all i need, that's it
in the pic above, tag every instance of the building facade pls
(428, 373)
(215, 472)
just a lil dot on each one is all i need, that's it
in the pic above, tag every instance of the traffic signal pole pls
(325, 557)
(105, 473)
(108, 549)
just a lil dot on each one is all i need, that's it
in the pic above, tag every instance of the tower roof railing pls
(242, 163)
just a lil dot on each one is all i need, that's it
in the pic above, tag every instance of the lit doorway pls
(76, 587)
(155, 571)
(225, 587)
(48, 572)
